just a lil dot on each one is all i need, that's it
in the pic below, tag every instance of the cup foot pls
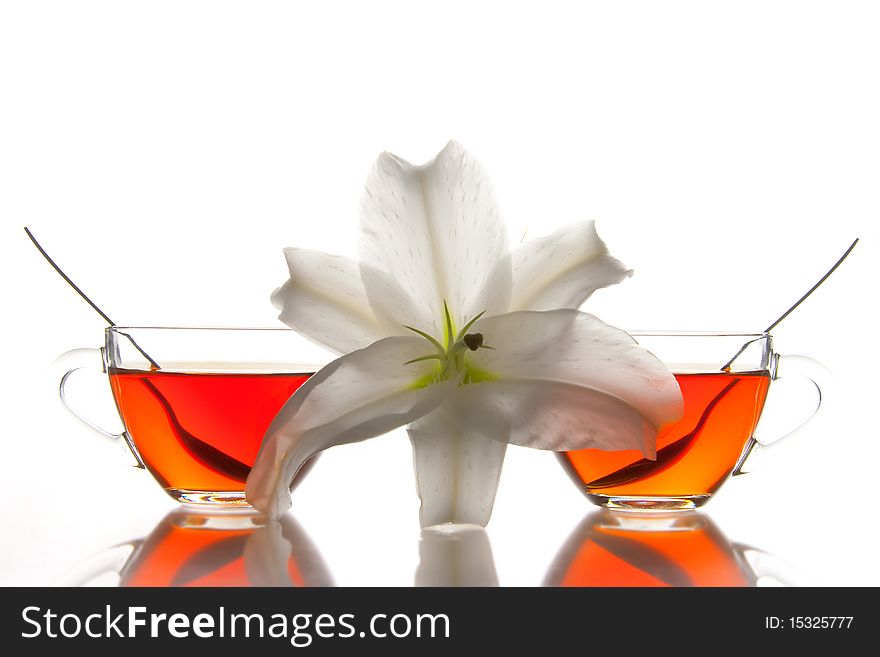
(632, 503)
(234, 499)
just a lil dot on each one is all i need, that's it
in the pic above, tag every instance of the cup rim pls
(112, 329)
(635, 332)
(699, 334)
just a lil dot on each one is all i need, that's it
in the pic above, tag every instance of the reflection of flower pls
(486, 345)
(455, 555)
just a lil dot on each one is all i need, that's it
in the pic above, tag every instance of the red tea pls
(607, 555)
(694, 455)
(187, 551)
(200, 431)
(174, 560)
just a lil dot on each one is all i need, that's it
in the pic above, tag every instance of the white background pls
(166, 152)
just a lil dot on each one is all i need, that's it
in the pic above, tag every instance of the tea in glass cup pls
(724, 380)
(196, 402)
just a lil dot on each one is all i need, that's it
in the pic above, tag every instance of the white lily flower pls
(469, 344)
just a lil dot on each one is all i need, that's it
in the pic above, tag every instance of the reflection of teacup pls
(724, 380)
(612, 548)
(195, 403)
(211, 549)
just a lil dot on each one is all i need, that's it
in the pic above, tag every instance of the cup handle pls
(111, 561)
(74, 361)
(758, 450)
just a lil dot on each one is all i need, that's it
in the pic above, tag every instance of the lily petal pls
(554, 415)
(324, 299)
(434, 229)
(361, 395)
(457, 469)
(390, 302)
(569, 346)
(563, 269)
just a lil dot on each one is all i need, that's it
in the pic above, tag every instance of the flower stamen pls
(464, 329)
(421, 358)
(430, 338)
(452, 357)
(450, 331)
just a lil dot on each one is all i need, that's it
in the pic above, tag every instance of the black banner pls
(431, 621)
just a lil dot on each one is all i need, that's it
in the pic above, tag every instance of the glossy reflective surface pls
(210, 549)
(676, 549)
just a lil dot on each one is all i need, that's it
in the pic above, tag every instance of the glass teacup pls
(195, 402)
(724, 379)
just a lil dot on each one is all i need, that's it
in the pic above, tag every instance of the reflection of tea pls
(187, 557)
(694, 455)
(221, 549)
(606, 550)
(200, 432)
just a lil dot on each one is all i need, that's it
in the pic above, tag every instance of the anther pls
(473, 341)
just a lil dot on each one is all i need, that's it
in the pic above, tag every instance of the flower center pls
(452, 359)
